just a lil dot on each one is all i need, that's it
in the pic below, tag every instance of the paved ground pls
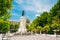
(35, 37)
(0, 36)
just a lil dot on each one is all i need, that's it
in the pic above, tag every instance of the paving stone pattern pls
(34, 37)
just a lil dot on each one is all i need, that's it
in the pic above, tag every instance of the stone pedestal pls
(22, 27)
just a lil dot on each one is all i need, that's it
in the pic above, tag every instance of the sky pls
(32, 8)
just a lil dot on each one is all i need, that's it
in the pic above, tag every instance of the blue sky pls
(32, 8)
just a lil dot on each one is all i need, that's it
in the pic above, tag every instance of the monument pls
(22, 26)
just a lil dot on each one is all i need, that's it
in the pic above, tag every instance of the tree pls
(44, 17)
(39, 28)
(5, 7)
(4, 26)
(14, 27)
(55, 26)
(46, 28)
(58, 27)
(40, 20)
(55, 12)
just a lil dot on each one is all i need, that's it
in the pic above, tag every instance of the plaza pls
(35, 37)
(29, 19)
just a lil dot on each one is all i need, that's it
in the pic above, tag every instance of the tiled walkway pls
(35, 37)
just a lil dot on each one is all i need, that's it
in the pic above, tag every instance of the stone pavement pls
(34, 37)
(0, 36)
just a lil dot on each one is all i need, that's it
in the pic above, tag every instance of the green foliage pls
(40, 20)
(46, 28)
(5, 7)
(27, 27)
(14, 26)
(44, 17)
(55, 12)
(39, 28)
(55, 26)
(58, 27)
(4, 26)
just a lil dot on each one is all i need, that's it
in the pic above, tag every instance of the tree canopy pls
(5, 7)
(5, 13)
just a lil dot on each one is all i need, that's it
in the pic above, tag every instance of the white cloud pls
(33, 5)
(37, 15)
(19, 1)
(14, 14)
